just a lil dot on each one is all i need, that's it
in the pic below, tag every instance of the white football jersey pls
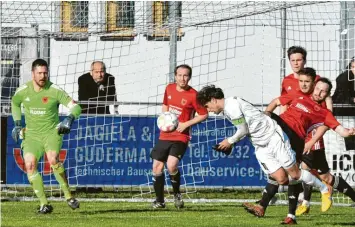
(261, 127)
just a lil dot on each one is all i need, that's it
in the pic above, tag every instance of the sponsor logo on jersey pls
(47, 170)
(37, 112)
(302, 107)
(45, 100)
(175, 110)
(183, 102)
(169, 97)
(289, 88)
(27, 99)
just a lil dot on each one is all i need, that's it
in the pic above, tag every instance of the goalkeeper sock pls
(37, 184)
(175, 181)
(307, 191)
(269, 192)
(341, 185)
(59, 173)
(159, 186)
(293, 193)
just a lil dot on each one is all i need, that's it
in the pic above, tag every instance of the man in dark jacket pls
(345, 90)
(97, 85)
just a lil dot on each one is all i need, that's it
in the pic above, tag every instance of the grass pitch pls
(101, 214)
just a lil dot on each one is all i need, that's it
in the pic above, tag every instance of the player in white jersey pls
(272, 146)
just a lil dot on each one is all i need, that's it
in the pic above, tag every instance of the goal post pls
(238, 46)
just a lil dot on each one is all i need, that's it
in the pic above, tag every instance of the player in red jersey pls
(179, 98)
(321, 164)
(307, 77)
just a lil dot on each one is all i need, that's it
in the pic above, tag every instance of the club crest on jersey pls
(183, 102)
(45, 100)
(317, 108)
(47, 170)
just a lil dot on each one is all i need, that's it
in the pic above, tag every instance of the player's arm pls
(329, 103)
(242, 130)
(344, 132)
(320, 131)
(16, 101)
(273, 104)
(164, 108)
(74, 111)
(331, 122)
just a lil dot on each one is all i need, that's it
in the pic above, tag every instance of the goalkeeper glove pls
(65, 125)
(16, 131)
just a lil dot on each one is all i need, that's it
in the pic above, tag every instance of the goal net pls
(238, 46)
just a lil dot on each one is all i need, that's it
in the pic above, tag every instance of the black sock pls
(270, 191)
(175, 182)
(307, 191)
(341, 185)
(293, 193)
(159, 186)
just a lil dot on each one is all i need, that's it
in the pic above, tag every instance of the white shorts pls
(276, 154)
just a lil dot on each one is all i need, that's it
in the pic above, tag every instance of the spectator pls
(97, 85)
(345, 92)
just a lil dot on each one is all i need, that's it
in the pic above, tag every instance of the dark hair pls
(297, 50)
(207, 93)
(308, 71)
(349, 65)
(39, 62)
(326, 81)
(185, 67)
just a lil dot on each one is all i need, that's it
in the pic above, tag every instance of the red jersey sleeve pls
(199, 109)
(286, 99)
(165, 100)
(330, 121)
(283, 89)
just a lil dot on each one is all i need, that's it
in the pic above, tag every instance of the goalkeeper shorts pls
(39, 144)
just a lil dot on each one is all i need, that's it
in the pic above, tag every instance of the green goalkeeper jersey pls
(41, 108)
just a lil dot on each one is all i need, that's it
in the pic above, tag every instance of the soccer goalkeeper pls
(43, 132)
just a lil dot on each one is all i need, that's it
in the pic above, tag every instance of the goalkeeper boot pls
(289, 221)
(73, 203)
(178, 202)
(256, 210)
(302, 209)
(158, 205)
(45, 209)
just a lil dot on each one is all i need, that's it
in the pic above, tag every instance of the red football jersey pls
(303, 113)
(184, 105)
(320, 143)
(290, 85)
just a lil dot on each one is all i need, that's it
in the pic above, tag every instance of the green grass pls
(101, 214)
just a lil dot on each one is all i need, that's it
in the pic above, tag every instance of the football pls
(167, 122)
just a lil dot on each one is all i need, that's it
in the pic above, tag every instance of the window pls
(120, 20)
(160, 20)
(74, 16)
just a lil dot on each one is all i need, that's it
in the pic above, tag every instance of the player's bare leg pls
(174, 173)
(60, 176)
(35, 179)
(158, 178)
